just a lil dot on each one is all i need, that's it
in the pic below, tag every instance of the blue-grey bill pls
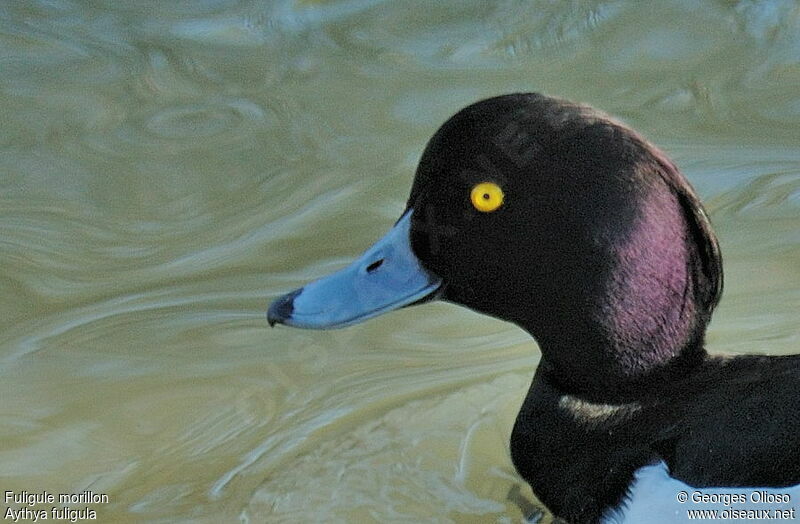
(387, 276)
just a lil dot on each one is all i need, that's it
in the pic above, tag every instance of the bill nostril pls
(375, 265)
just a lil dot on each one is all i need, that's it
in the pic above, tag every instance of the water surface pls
(167, 168)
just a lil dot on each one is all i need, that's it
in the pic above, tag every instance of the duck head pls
(555, 217)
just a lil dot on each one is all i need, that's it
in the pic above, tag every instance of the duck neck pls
(604, 381)
(616, 354)
(636, 319)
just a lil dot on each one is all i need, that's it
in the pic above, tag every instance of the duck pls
(564, 221)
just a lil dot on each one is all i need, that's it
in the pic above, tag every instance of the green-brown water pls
(167, 168)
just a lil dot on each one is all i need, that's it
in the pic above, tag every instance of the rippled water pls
(166, 168)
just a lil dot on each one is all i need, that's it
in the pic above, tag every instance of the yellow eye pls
(486, 197)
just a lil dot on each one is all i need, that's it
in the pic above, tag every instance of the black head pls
(555, 217)
(600, 249)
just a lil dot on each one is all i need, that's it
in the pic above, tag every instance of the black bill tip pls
(281, 310)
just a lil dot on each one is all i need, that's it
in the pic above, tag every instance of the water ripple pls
(187, 126)
(206, 120)
(401, 452)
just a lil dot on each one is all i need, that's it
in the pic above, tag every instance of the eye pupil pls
(486, 196)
